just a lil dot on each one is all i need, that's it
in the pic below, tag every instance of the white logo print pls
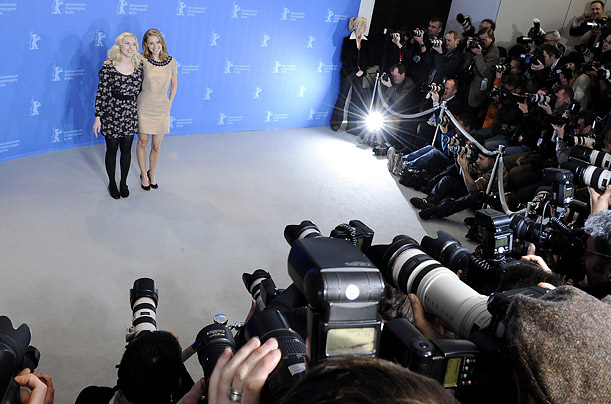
(121, 6)
(320, 66)
(56, 134)
(34, 105)
(34, 38)
(99, 37)
(312, 39)
(277, 66)
(264, 41)
(311, 116)
(213, 37)
(257, 92)
(228, 66)
(172, 120)
(55, 8)
(301, 91)
(180, 9)
(221, 120)
(330, 15)
(55, 73)
(268, 117)
(285, 13)
(235, 10)
(207, 93)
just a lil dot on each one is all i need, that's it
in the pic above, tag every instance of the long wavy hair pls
(114, 53)
(163, 55)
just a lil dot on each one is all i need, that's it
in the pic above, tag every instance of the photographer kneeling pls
(467, 191)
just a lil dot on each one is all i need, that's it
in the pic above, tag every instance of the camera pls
(386, 76)
(583, 49)
(401, 34)
(143, 298)
(587, 141)
(506, 97)
(595, 157)
(436, 42)
(533, 59)
(542, 98)
(594, 24)
(500, 68)
(433, 88)
(343, 288)
(465, 21)
(475, 42)
(16, 354)
(533, 36)
(210, 343)
(261, 286)
(416, 32)
(603, 74)
(562, 186)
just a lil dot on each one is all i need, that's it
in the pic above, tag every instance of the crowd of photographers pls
(524, 318)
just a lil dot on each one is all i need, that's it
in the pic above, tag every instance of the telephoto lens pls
(143, 298)
(541, 98)
(591, 176)
(500, 68)
(272, 324)
(305, 229)
(405, 266)
(595, 157)
(211, 341)
(14, 345)
(257, 284)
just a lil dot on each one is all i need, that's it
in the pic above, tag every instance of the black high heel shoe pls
(113, 191)
(145, 187)
(154, 186)
(124, 190)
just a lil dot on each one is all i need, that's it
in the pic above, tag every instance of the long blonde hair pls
(356, 22)
(114, 53)
(163, 55)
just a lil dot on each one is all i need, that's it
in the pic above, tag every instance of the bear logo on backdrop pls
(99, 39)
(268, 116)
(302, 90)
(121, 4)
(221, 120)
(235, 9)
(264, 41)
(257, 92)
(207, 93)
(55, 7)
(213, 38)
(285, 14)
(228, 66)
(330, 15)
(34, 105)
(33, 43)
(180, 8)
(277, 66)
(56, 133)
(56, 70)
(310, 41)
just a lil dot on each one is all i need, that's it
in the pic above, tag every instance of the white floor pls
(70, 253)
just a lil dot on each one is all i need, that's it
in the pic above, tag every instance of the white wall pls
(477, 10)
(366, 11)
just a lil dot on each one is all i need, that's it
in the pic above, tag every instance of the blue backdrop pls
(242, 64)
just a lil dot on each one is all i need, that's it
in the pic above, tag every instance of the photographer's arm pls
(33, 389)
(600, 202)
(464, 171)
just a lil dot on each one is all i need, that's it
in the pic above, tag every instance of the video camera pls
(16, 354)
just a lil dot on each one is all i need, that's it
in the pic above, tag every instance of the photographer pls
(151, 372)
(564, 97)
(398, 88)
(466, 192)
(589, 37)
(572, 76)
(585, 120)
(418, 63)
(479, 56)
(543, 75)
(446, 63)
(509, 116)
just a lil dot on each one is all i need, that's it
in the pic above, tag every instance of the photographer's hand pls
(46, 379)
(435, 97)
(396, 39)
(33, 390)
(386, 82)
(545, 107)
(523, 107)
(430, 328)
(196, 392)
(537, 260)
(359, 73)
(438, 49)
(537, 67)
(245, 374)
(559, 130)
(600, 202)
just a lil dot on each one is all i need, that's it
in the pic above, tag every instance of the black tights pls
(112, 145)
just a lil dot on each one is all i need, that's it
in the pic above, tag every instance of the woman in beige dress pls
(154, 103)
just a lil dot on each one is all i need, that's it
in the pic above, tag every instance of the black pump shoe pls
(145, 187)
(113, 191)
(124, 190)
(154, 186)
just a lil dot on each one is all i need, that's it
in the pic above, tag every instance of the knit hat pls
(560, 346)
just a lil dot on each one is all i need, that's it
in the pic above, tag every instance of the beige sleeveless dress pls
(153, 101)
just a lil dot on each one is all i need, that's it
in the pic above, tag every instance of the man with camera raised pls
(446, 63)
(590, 25)
(419, 65)
(545, 70)
(479, 56)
